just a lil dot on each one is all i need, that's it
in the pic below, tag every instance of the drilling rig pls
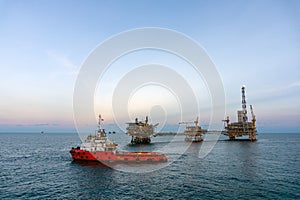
(243, 126)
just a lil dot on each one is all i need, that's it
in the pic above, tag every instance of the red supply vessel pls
(98, 148)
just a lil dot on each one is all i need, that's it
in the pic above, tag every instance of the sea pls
(39, 166)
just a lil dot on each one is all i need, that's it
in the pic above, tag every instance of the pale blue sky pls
(44, 43)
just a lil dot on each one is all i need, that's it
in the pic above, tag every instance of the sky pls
(43, 45)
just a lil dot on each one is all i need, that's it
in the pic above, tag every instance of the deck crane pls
(195, 122)
(253, 116)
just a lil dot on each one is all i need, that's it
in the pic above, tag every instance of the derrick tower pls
(244, 106)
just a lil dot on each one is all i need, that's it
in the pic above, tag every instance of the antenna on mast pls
(196, 121)
(101, 131)
(99, 121)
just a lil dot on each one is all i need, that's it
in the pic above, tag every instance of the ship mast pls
(101, 131)
(196, 121)
(99, 122)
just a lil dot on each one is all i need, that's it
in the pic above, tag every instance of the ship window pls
(87, 157)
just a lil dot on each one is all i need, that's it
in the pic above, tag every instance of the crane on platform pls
(253, 116)
(226, 121)
(195, 122)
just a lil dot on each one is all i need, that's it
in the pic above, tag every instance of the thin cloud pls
(39, 124)
(275, 92)
(277, 89)
(64, 62)
(294, 84)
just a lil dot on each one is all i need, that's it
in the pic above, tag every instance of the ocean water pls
(39, 166)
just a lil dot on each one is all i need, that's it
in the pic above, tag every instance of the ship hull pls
(193, 139)
(117, 157)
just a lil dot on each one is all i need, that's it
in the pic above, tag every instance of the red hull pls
(118, 157)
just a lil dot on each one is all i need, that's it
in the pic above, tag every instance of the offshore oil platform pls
(193, 133)
(243, 126)
(140, 132)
